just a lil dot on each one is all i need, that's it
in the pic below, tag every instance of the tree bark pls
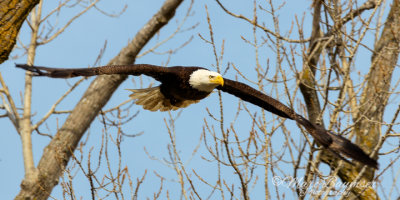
(376, 94)
(57, 154)
(307, 83)
(12, 15)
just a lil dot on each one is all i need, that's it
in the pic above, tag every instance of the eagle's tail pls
(152, 99)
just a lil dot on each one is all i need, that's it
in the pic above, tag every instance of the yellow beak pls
(218, 80)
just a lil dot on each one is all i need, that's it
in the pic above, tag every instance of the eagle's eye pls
(211, 76)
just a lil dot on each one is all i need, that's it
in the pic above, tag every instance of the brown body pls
(175, 92)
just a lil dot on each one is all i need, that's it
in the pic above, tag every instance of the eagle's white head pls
(205, 80)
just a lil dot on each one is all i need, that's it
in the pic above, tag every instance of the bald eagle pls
(182, 86)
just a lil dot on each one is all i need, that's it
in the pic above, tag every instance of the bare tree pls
(314, 69)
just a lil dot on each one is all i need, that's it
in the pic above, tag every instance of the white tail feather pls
(152, 99)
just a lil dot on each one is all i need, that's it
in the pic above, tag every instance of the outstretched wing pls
(137, 69)
(338, 145)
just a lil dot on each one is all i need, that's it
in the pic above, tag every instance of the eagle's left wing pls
(334, 143)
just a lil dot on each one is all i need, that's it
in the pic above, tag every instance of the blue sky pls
(80, 45)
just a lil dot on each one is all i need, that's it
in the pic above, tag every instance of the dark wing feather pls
(137, 69)
(338, 145)
(255, 97)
